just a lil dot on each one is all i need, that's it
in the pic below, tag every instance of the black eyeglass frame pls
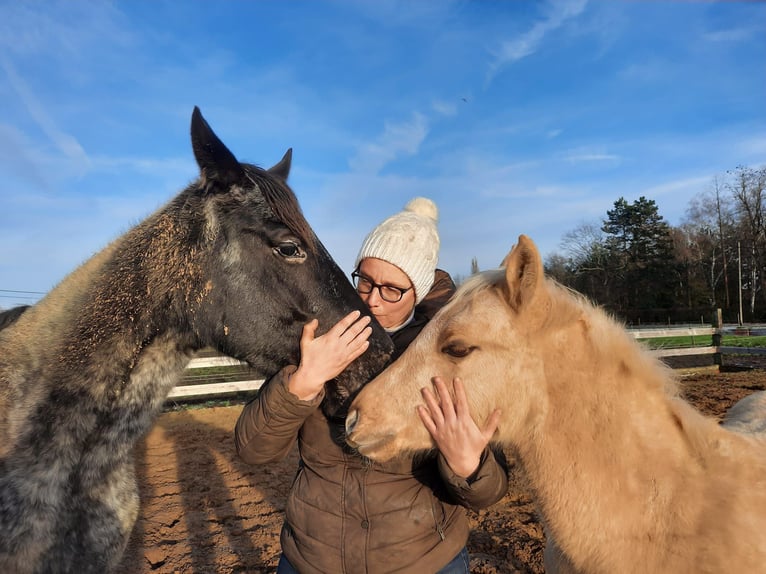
(356, 276)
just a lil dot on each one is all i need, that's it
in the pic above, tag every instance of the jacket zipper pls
(439, 523)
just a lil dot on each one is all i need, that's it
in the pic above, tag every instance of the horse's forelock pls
(565, 304)
(282, 201)
(480, 282)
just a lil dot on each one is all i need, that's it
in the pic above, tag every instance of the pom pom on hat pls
(410, 241)
(423, 207)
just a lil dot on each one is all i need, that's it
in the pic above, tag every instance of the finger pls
(428, 422)
(309, 330)
(357, 352)
(342, 325)
(362, 337)
(433, 406)
(348, 351)
(358, 343)
(358, 327)
(461, 400)
(445, 398)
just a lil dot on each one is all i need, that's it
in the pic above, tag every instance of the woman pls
(345, 514)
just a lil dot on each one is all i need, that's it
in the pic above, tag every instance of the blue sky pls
(515, 117)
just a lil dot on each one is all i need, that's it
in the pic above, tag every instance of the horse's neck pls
(608, 445)
(102, 322)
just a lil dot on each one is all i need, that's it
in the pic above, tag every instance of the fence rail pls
(673, 332)
(247, 384)
(214, 389)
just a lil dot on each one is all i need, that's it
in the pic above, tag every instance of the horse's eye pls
(457, 350)
(289, 250)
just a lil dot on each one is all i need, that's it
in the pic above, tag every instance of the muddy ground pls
(205, 512)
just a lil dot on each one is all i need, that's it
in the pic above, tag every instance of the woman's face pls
(389, 315)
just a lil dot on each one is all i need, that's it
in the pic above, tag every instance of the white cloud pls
(175, 169)
(397, 140)
(529, 42)
(732, 34)
(444, 108)
(690, 184)
(648, 71)
(65, 143)
(553, 134)
(20, 159)
(584, 157)
(753, 146)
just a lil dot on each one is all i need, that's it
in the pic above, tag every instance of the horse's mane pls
(609, 336)
(480, 282)
(281, 199)
(566, 303)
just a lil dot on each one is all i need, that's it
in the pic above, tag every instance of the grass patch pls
(222, 374)
(198, 404)
(743, 341)
(703, 341)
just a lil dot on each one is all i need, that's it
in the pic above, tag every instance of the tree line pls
(644, 270)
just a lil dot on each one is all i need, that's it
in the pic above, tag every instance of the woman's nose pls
(374, 298)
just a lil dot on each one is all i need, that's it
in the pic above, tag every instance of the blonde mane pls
(608, 336)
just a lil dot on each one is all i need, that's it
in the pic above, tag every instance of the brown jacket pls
(347, 515)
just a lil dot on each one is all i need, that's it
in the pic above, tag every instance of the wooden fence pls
(192, 388)
(200, 390)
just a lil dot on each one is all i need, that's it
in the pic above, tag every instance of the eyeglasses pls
(388, 293)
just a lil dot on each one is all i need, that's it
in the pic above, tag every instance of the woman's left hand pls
(458, 437)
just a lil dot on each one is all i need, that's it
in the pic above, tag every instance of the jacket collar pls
(403, 325)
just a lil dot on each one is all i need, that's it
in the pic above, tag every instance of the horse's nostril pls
(351, 419)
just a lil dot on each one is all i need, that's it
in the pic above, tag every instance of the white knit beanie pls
(410, 241)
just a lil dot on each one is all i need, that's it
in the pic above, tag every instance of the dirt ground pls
(205, 512)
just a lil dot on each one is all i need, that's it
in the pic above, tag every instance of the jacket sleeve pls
(487, 485)
(268, 426)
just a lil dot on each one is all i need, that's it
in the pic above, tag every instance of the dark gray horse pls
(229, 263)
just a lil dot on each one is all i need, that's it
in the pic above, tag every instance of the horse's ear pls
(282, 169)
(524, 274)
(219, 169)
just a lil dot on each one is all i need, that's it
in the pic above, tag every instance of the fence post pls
(717, 337)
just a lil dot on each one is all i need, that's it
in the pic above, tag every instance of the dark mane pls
(281, 199)
(9, 316)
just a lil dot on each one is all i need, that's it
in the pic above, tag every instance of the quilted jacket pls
(347, 515)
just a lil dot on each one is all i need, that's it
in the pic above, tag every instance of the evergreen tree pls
(641, 268)
(641, 259)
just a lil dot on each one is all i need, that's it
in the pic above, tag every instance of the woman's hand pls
(456, 434)
(324, 358)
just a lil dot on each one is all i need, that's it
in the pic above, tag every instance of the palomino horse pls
(229, 263)
(628, 476)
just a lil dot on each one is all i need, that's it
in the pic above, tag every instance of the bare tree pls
(707, 232)
(588, 263)
(748, 189)
(581, 245)
(724, 219)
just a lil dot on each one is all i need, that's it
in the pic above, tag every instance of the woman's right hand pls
(325, 357)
